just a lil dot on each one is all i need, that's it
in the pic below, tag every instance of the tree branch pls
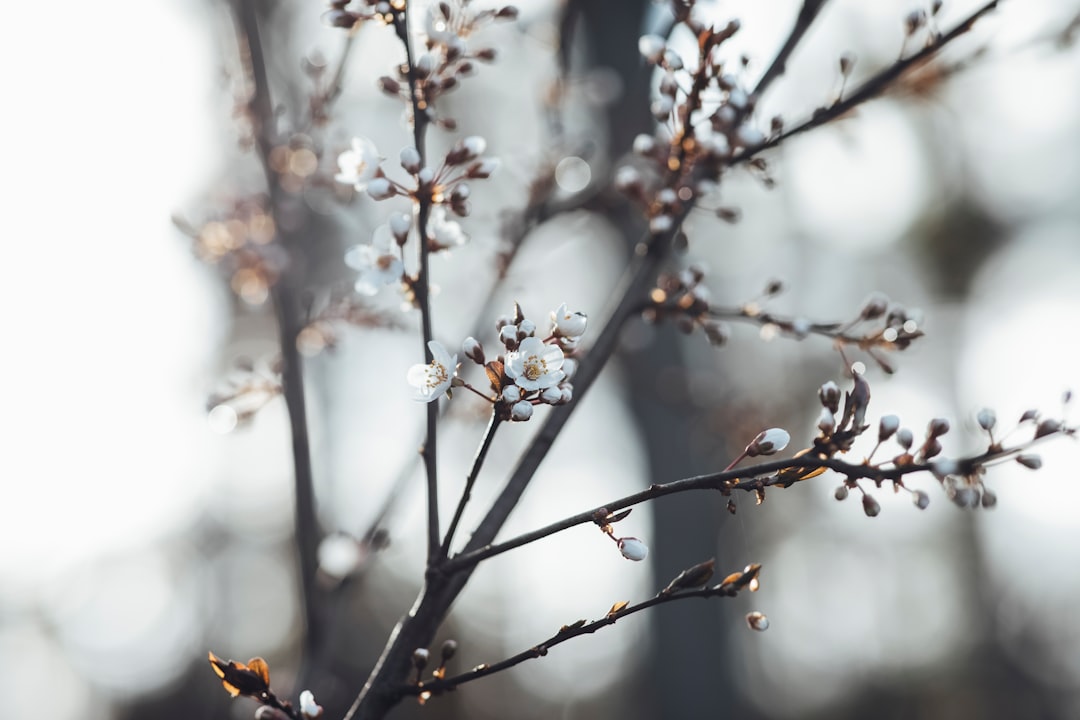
(728, 588)
(749, 479)
(869, 89)
(807, 14)
(478, 462)
(422, 286)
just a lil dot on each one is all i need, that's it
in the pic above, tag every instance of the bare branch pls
(807, 14)
(728, 588)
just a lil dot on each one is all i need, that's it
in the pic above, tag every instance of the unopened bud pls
(381, 189)
(921, 499)
(989, 499)
(308, 707)
(652, 47)
(521, 411)
(826, 422)
(937, 427)
(757, 621)
(870, 506)
(449, 648)
(847, 62)
(552, 395)
(829, 395)
(473, 350)
(887, 427)
(1047, 427)
(410, 160)
(769, 442)
(904, 437)
(841, 492)
(874, 306)
(717, 332)
(420, 658)
(1030, 461)
(987, 419)
(633, 549)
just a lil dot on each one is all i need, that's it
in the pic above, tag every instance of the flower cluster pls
(380, 262)
(704, 113)
(451, 55)
(533, 370)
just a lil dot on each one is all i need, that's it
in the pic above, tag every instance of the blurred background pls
(138, 532)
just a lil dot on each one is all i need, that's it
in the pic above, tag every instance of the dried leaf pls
(617, 607)
(618, 516)
(494, 371)
(239, 679)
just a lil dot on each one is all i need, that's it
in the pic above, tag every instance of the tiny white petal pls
(633, 549)
(521, 411)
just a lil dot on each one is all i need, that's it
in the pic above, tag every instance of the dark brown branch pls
(807, 14)
(290, 323)
(750, 479)
(870, 89)
(422, 286)
(466, 494)
(434, 687)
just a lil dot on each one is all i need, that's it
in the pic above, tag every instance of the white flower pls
(568, 324)
(768, 442)
(445, 233)
(308, 707)
(358, 165)
(376, 263)
(433, 380)
(535, 365)
(633, 549)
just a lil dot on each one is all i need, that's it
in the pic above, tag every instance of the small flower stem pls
(422, 287)
(478, 463)
(736, 461)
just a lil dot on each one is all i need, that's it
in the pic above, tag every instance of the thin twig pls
(869, 89)
(466, 494)
(567, 633)
(807, 14)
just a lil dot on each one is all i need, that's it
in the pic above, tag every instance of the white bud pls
(552, 395)
(526, 328)
(673, 60)
(567, 393)
(511, 394)
(661, 107)
(921, 499)
(399, 225)
(410, 160)
(905, 437)
(757, 621)
(425, 176)
(987, 419)
(644, 144)
(738, 98)
(887, 427)
(749, 137)
(661, 224)
(651, 47)
(633, 549)
(425, 64)
(826, 421)
(508, 335)
(769, 442)
(308, 707)
(569, 367)
(521, 411)
(626, 178)
(484, 168)
(473, 350)
(381, 189)
(474, 145)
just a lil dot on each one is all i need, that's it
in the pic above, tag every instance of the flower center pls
(385, 262)
(436, 374)
(535, 367)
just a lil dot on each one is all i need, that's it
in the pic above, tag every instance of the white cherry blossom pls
(433, 379)
(359, 165)
(376, 263)
(535, 365)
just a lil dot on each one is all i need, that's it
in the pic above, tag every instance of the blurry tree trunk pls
(687, 677)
